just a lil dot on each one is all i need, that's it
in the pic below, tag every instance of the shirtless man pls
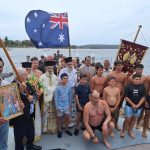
(35, 75)
(35, 65)
(138, 70)
(94, 118)
(112, 96)
(120, 80)
(119, 75)
(147, 109)
(98, 81)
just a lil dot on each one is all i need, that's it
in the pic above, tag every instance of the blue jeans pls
(4, 135)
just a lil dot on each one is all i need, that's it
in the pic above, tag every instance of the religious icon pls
(9, 101)
(126, 56)
(130, 54)
(133, 58)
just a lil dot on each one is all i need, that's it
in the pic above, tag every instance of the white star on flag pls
(43, 25)
(28, 20)
(40, 44)
(61, 38)
(35, 31)
(35, 14)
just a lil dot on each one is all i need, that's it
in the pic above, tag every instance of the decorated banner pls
(47, 29)
(131, 54)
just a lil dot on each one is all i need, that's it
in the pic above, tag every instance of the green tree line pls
(17, 43)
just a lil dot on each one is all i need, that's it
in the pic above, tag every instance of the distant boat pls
(47, 49)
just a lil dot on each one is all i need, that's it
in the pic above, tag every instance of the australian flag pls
(47, 29)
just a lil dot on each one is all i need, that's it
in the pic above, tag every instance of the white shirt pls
(3, 82)
(72, 74)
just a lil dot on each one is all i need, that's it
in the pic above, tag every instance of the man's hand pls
(30, 98)
(135, 106)
(2, 120)
(95, 140)
(80, 108)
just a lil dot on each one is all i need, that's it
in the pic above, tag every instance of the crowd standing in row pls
(62, 97)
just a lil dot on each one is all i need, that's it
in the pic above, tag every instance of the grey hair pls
(74, 58)
(21, 71)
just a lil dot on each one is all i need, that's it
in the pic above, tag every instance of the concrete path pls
(137, 147)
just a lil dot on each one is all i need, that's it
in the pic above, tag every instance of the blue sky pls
(90, 21)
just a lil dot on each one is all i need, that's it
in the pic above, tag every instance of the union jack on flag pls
(47, 29)
(58, 20)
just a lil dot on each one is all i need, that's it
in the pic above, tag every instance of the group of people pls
(57, 98)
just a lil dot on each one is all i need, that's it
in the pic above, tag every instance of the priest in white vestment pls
(50, 81)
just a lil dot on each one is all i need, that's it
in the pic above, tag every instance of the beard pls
(49, 73)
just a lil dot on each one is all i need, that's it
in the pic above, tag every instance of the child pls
(112, 96)
(82, 92)
(62, 102)
(135, 96)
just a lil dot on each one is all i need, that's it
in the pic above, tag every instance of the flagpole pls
(69, 52)
(69, 39)
(139, 27)
(69, 43)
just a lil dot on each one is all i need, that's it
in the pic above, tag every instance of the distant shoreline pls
(29, 44)
(90, 46)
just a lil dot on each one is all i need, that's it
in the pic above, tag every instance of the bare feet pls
(106, 143)
(112, 134)
(144, 134)
(131, 134)
(127, 128)
(137, 126)
(122, 134)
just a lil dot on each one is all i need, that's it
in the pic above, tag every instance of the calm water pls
(18, 55)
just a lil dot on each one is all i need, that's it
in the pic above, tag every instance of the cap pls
(50, 63)
(26, 64)
(68, 59)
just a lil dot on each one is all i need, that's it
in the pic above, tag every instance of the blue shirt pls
(83, 92)
(62, 96)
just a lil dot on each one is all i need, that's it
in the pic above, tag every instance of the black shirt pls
(83, 92)
(135, 93)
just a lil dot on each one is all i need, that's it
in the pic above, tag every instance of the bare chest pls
(99, 81)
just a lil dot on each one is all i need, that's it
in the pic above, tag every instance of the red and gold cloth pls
(131, 54)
